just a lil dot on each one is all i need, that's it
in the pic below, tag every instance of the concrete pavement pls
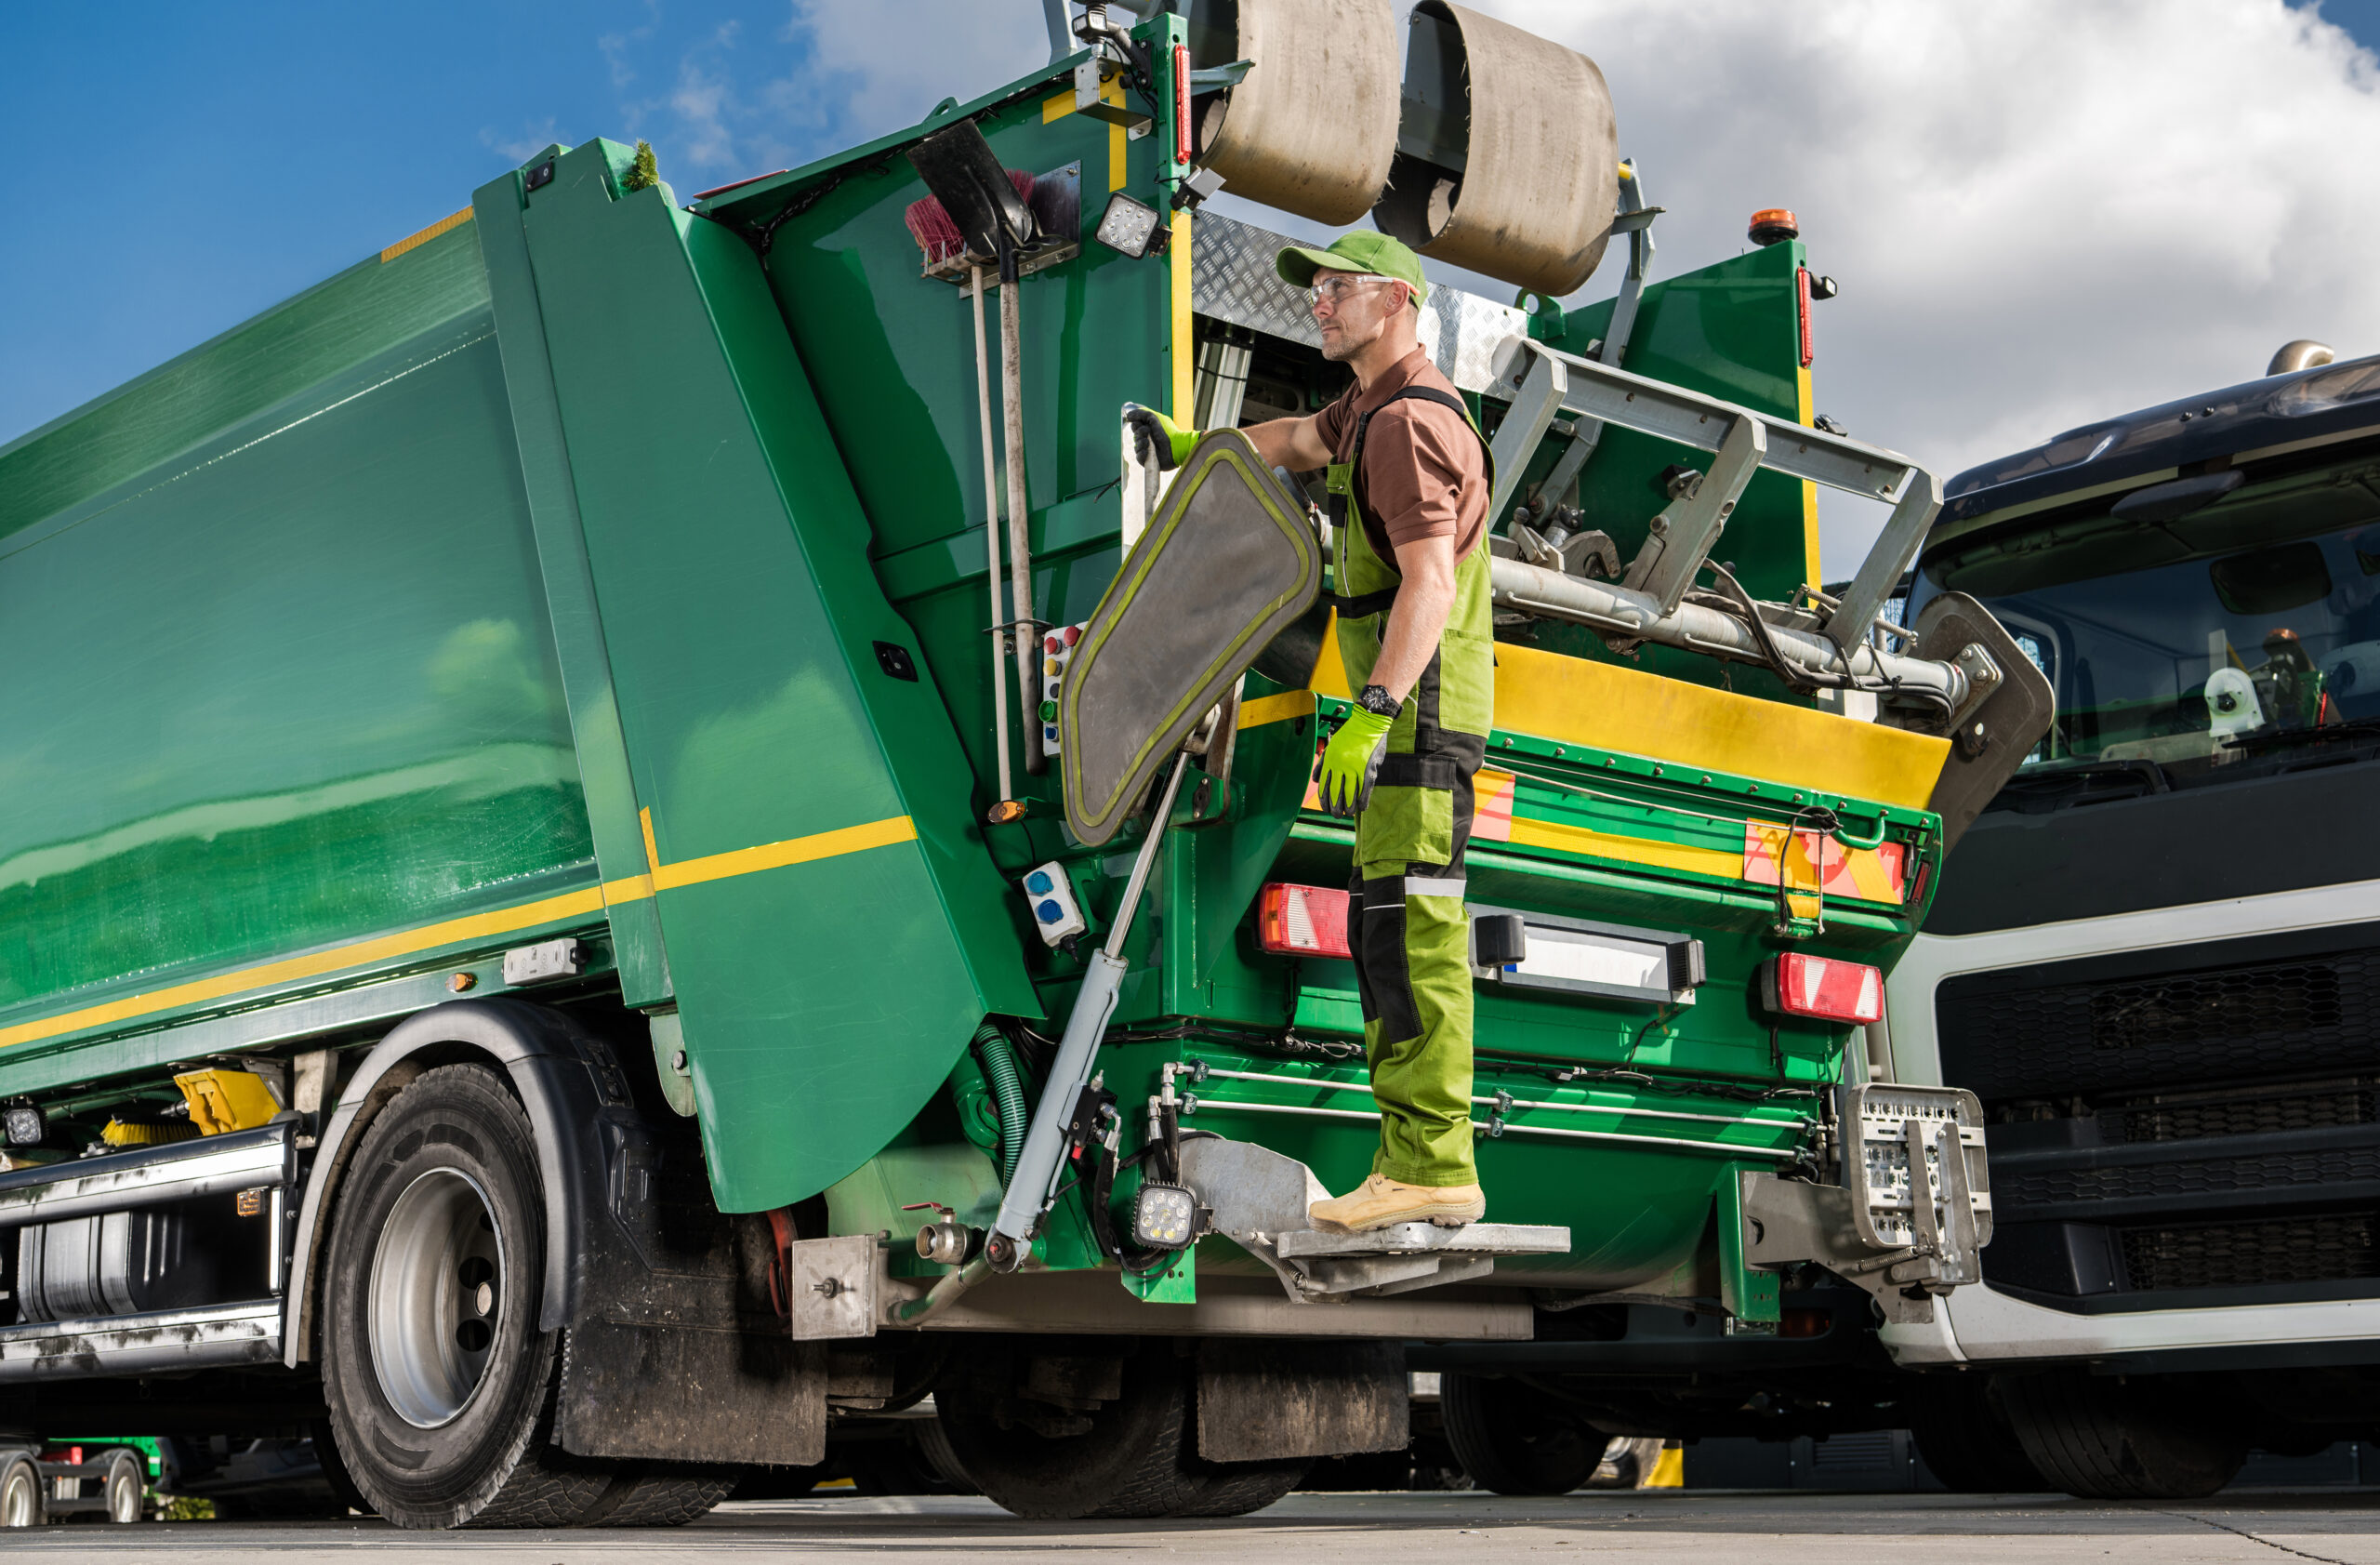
(1653, 1527)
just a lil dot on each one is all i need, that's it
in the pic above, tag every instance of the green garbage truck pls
(635, 834)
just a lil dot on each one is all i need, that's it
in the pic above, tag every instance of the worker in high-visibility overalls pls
(1408, 478)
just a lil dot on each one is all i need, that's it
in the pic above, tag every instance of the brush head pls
(937, 234)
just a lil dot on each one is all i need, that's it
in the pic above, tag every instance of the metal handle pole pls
(1020, 543)
(991, 535)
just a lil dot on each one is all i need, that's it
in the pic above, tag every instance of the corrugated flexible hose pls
(1002, 1074)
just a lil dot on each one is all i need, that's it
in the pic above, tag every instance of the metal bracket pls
(1983, 680)
(1914, 1211)
(1541, 380)
(1914, 506)
(1914, 1162)
(1683, 535)
(1786, 1222)
(1535, 401)
(1090, 73)
(833, 1285)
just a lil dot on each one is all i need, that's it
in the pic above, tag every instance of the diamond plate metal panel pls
(1232, 279)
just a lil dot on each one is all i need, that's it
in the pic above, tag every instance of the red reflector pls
(1801, 299)
(1795, 985)
(1805, 1324)
(1302, 921)
(1181, 103)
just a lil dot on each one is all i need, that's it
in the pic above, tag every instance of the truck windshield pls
(2187, 662)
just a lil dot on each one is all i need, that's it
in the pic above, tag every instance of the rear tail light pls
(1795, 985)
(1302, 921)
(1805, 1324)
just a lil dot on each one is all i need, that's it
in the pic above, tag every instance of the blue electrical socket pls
(1052, 896)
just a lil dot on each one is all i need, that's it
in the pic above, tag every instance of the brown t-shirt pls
(1425, 474)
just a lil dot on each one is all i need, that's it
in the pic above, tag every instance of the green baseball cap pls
(1364, 250)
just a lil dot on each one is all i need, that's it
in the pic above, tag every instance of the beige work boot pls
(1379, 1201)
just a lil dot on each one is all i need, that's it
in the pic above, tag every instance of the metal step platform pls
(1409, 1255)
(1259, 1198)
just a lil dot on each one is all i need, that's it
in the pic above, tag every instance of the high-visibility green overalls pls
(1405, 921)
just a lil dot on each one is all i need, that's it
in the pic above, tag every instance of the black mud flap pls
(1269, 1400)
(1227, 564)
(693, 1394)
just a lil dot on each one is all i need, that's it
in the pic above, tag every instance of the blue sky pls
(2003, 190)
(195, 163)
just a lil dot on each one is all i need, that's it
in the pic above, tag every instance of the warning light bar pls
(1302, 921)
(1795, 985)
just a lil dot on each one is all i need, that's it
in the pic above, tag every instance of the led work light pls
(1164, 1217)
(23, 1123)
(1129, 227)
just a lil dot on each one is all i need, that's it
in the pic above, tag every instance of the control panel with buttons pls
(1057, 653)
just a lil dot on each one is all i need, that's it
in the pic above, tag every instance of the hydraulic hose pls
(1006, 1079)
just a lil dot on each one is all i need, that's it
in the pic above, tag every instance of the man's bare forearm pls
(1288, 443)
(1424, 601)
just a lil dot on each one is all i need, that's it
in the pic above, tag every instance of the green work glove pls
(1349, 761)
(1153, 432)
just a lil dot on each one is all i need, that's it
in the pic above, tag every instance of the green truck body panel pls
(1730, 330)
(295, 684)
(740, 618)
(558, 575)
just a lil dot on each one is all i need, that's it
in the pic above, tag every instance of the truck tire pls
(941, 1463)
(1138, 1458)
(2101, 1438)
(20, 1494)
(345, 1496)
(1964, 1435)
(440, 1386)
(1514, 1438)
(661, 1495)
(125, 1489)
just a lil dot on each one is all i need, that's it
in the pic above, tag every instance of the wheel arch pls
(581, 1115)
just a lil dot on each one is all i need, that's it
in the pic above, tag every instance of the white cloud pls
(702, 101)
(533, 139)
(894, 63)
(2041, 212)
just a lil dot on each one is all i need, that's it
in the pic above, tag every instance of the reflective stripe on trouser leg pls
(1413, 969)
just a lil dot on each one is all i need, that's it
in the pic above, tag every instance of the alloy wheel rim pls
(437, 1288)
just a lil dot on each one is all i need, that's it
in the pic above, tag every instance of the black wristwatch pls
(1376, 701)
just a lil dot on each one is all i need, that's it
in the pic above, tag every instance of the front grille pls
(2248, 1255)
(2024, 1192)
(2242, 1005)
(2022, 1034)
(2174, 1117)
